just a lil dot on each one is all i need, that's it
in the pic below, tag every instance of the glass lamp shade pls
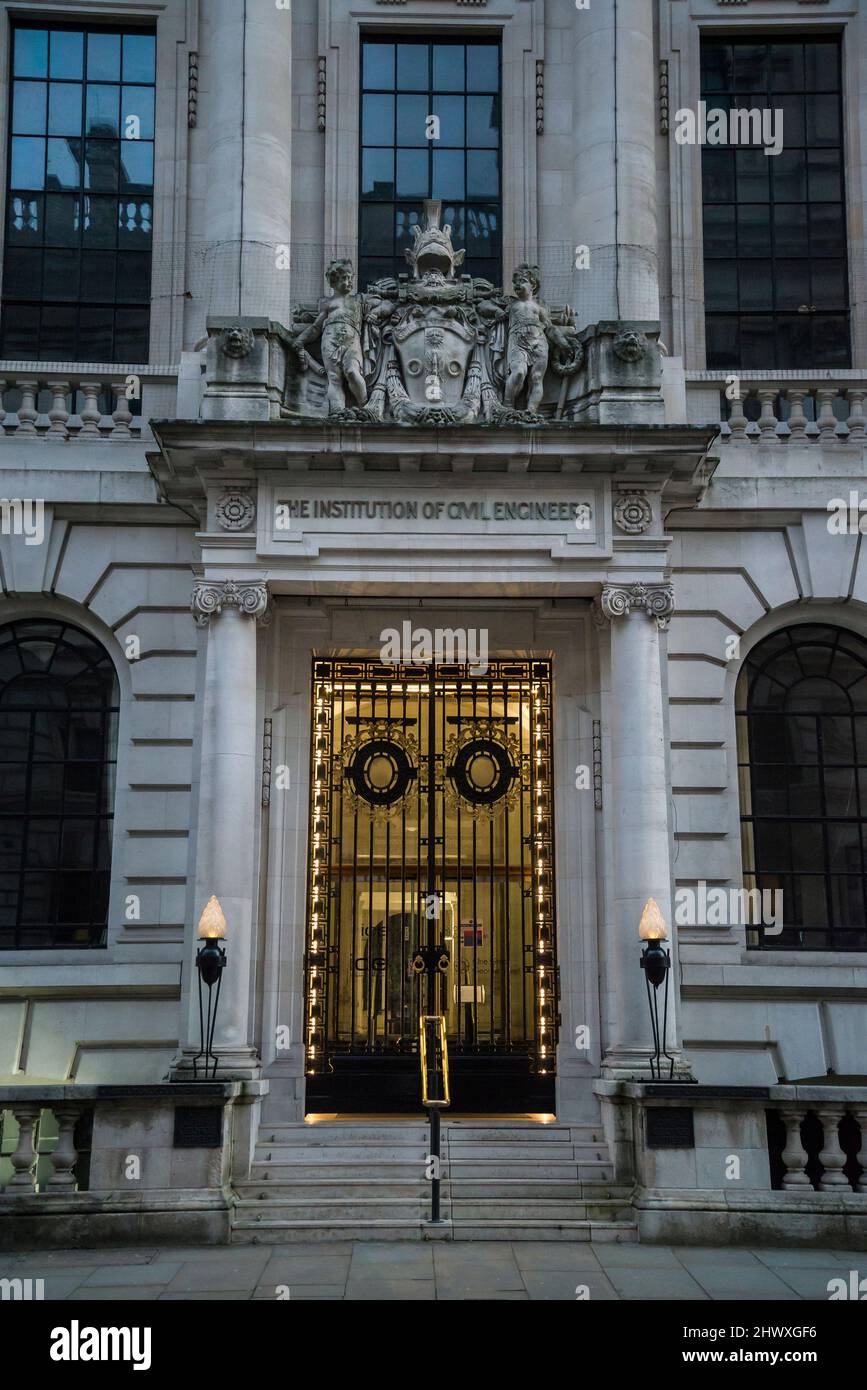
(212, 923)
(652, 926)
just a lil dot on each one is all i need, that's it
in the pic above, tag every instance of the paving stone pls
(286, 1270)
(558, 1284)
(136, 1275)
(118, 1294)
(736, 1282)
(555, 1255)
(669, 1285)
(226, 1295)
(306, 1293)
(196, 1278)
(812, 1281)
(380, 1290)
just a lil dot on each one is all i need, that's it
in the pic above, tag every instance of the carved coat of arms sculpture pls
(434, 348)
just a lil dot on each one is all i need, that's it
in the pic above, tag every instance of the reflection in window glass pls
(74, 141)
(404, 84)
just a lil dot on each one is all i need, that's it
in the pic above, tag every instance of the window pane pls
(64, 109)
(31, 53)
(20, 332)
(792, 284)
(131, 335)
(136, 166)
(377, 120)
(97, 277)
(101, 161)
(822, 67)
(137, 103)
(412, 173)
(787, 67)
(103, 57)
(412, 67)
(823, 120)
(378, 64)
(756, 283)
(58, 335)
(827, 232)
(28, 163)
(448, 67)
(139, 57)
(134, 278)
(60, 279)
(412, 114)
(100, 222)
(67, 54)
(483, 68)
(448, 174)
(64, 165)
(95, 336)
(750, 67)
(825, 175)
(28, 108)
(135, 223)
(23, 278)
(483, 121)
(25, 220)
(721, 286)
(790, 229)
(102, 113)
(377, 174)
(754, 231)
(450, 111)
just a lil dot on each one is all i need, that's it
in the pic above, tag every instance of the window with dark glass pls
(406, 157)
(775, 269)
(58, 748)
(79, 195)
(802, 755)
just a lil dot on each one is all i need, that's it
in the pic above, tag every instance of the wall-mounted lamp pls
(656, 964)
(210, 963)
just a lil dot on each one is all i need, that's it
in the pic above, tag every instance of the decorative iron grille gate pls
(431, 823)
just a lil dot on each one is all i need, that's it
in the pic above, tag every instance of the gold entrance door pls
(431, 824)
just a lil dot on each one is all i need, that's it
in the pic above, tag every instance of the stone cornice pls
(249, 596)
(619, 600)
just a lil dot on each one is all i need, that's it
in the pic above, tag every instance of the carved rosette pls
(619, 600)
(633, 512)
(249, 596)
(235, 511)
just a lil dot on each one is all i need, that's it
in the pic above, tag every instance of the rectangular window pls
(79, 196)
(775, 270)
(430, 128)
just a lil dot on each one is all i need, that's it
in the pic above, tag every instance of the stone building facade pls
(615, 451)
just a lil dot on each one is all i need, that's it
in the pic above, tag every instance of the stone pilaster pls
(225, 857)
(640, 858)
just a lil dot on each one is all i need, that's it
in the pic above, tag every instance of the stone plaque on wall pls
(198, 1127)
(670, 1127)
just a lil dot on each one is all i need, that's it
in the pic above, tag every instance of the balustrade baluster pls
(122, 413)
(797, 417)
(23, 1159)
(65, 1154)
(856, 420)
(794, 1154)
(59, 412)
(27, 412)
(767, 419)
(90, 411)
(832, 1157)
(827, 420)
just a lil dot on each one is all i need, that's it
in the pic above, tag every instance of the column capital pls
(619, 600)
(249, 596)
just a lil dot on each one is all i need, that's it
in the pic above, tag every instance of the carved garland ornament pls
(618, 601)
(633, 512)
(249, 596)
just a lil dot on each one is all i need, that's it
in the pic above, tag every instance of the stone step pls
(340, 1153)
(361, 1208)
(319, 1188)
(389, 1135)
(280, 1232)
(524, 1169)
(530, 1134)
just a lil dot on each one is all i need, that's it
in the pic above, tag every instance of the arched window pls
(58, 745)
(801, 710)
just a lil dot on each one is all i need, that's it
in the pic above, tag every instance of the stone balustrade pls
(47, 1149)
(820, 1147)
(82, 402)
(793, 408)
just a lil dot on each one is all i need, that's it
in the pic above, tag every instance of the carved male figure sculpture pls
(339, 325)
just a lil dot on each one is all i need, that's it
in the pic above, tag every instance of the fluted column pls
(639, 831)
(231, 610)
(614, 190)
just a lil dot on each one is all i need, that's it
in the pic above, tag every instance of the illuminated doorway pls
(431, 819)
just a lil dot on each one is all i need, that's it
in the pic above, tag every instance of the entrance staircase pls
(509, 1179)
